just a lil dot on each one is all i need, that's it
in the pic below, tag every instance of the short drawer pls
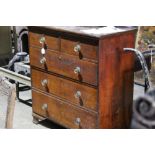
(39, 40)
(76, 93)
(81, 50)
(65, 65)
(61, 112)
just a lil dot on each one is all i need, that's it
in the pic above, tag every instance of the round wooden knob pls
(77, 70)
(43, 60)
(42, 40)
(44, 106)
(77, 48)
(44, 82)
(77, 94)
(77, 121)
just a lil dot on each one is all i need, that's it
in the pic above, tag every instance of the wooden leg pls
(37, 118)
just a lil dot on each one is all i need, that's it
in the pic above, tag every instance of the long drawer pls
(76, 93)
(65, 65)
(61, 112)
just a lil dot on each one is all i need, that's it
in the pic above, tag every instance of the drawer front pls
(61, 112)
(76, 93)
(65, 65)
(50, 42)
(81, 50)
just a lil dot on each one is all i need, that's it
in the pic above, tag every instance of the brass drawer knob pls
(43, 60)
(43, 51)
(44, 106)
(77, 70)
(44, 82)
(77, 121)
(77, 48)
(42, 40)
(77, 94)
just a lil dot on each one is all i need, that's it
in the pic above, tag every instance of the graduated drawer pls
(40, 40)
(61, 112)
(76, 93)
(82, 50)
(65, 65)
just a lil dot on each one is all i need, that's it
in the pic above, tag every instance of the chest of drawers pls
(80, 78)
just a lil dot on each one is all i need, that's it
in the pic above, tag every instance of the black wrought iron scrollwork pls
(141, 58)
(144, 109)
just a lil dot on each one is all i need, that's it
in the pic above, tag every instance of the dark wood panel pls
(116, 69)
(65, 89)
(86, 50)
(65, 65)
(61, 112)
(51, 42)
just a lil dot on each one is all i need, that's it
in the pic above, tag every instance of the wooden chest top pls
(87, 31)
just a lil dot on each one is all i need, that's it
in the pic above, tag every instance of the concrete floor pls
(23, 113)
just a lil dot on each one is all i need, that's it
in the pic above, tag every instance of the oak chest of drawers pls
(82, 78)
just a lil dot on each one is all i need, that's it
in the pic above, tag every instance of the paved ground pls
(23, 113)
